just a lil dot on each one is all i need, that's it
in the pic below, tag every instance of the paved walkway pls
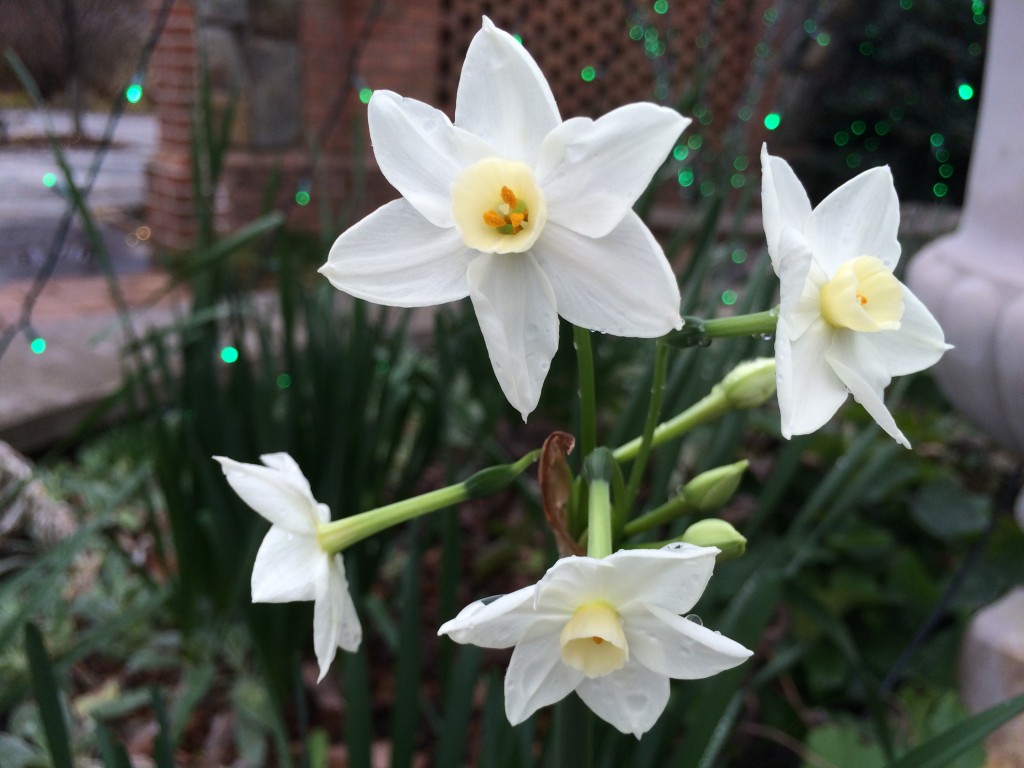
(44, 394)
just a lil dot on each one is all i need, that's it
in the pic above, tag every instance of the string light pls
(229, 355)
(133, 93)
(772, 120)
(729, 297)
(49, 179)
(587, 74)
(38, 345)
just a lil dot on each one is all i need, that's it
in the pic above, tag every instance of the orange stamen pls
(508, 197)
(492, 219)
(516, 219)
(597, 640)
(862, 300)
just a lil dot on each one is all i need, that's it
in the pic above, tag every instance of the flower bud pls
(716, 533)
(750, 383)
(713, 488)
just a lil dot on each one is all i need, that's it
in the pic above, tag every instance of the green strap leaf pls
(947, 746)
(44, 686)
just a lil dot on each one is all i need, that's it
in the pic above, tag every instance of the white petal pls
(420, 152)
(784, 201)
(515, 307)
(628, 580)
(273, 494)
(501, 623)
(396, 257)
(536, 677)
(287, 568)
(503, 97)
(918, 344)
(809, 391)
(632, 698)
(619, 284)
(593, 171)
(669, 579)
(679, 648)
(860, 367)
(335, 622)
(860, 218)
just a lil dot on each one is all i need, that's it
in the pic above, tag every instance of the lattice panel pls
(637, 53)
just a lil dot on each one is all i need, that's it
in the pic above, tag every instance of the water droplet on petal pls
(694, 618)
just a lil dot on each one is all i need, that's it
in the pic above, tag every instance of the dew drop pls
(694, 618)
(767, 337)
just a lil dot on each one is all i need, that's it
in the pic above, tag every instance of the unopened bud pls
(716, 533)
(750, 383)
(713, 488)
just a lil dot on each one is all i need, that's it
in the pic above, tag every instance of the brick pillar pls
(171, 86)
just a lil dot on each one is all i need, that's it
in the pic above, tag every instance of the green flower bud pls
(750, 383)
(716, 533)
(713, 488)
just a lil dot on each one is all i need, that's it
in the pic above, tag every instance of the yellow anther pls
(516, 219)
(509, 197)
(845, 298)
(862, 299)
(597, 640)
(492, 219)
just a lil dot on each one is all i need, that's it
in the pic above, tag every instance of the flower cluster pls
(531, 217)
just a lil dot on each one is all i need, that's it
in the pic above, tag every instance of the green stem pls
(666, 513)
(339, 534)
(742, 325)
(598, 468)
(709, 407)
(636, 473)
(588, 396)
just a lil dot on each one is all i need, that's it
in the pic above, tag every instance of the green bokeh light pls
(906, 5)
(694, 142)
(661, 6)
(229, 354)
(945, 170)
(867, 48)
(636, 32)
(853, 160)
(302, 197)
(882, 127)
(823, 39)
(871, 144)
(365, 94)
(745, 112)
(587, 74)
(772, 120)
(942, 155)
(939, 189)
(133, 93)
(771, 15)
(965, 91)
(685, 178)
(38, 345)
(937, 139)
(680, 152)
(810, 26)
(974, 49)
(49, 179)
(737, 180)
(741, 163)
(283, 381)
(857, 127)
(707, 188)
(729, 297)
(841, 138)
(739, 256)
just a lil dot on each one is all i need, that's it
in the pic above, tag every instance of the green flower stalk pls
(707, 490)
(340, 534)
(748, 385)
(598, 469)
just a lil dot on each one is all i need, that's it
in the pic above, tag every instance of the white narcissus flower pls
(529, 216)
(608, 628)
(290, 564)
(846, 324)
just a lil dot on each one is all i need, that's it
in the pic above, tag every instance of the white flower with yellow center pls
(291, 565)
(608, 628)
(846, 324)
(529, 216)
